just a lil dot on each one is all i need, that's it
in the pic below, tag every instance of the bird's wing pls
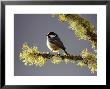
(58, 42)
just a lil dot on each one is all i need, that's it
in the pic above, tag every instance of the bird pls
(54, 43)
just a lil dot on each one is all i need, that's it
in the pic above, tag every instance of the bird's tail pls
(65, 52)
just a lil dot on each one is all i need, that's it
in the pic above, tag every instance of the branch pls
(49, 56)
(81, 26)
(31, 55)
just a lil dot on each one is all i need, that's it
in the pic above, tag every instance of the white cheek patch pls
(52, 36)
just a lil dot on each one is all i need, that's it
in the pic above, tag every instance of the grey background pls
(32, 28)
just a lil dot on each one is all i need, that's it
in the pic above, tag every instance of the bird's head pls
(52, 34)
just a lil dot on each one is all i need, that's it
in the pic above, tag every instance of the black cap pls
(51, 33)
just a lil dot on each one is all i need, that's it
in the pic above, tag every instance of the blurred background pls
(32, 28)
